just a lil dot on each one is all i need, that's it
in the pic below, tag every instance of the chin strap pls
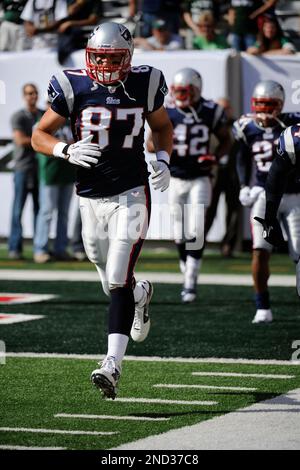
(125, 91)
(195, 115)
(193, 112)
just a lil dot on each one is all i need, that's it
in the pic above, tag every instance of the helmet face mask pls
(184, 96)
(186, 88)
(108, 53)
(267, 101)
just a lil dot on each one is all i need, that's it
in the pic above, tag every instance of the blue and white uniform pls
(190, 171)
(110, 191)
(256, 153)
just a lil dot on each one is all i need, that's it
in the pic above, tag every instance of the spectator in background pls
(270, 40)
(161, 40)
(267, 7)
(25, 167)
(152, 10)
(243, 24)
(206, 37)
(56, 178)
(71, 35)
(12, 35)
(226, 181)
(193, 9)
(41, 20)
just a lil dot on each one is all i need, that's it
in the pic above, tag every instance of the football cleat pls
(141, 322)
(106, 378)
(263, 316)
(188, 295)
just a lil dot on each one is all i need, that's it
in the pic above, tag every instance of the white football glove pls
(82, 153)
(161, 177)
(244, 196)
(255, 192)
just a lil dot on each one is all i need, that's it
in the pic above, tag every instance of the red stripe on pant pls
(135, 251)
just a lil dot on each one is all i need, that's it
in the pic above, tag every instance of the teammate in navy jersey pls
(285, 167)
(258, 135)
(108, 103)
(194, 120)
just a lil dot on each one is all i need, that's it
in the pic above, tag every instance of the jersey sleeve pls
(17, 122)
(238, 130)
(61, 95)
(157, 90)
(286, 148)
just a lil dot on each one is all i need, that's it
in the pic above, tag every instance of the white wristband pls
(162, 155)
(58, 150)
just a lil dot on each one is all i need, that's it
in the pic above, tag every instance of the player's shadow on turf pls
(261, 396)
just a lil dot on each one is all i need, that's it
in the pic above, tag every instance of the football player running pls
(285, 167)
(108, 103)
(258, 135)
(194, 120)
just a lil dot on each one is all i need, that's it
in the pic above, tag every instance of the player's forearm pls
(163, 139)
(43, 142)
(224, 147)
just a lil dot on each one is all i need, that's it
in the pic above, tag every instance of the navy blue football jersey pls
(259, 144)
(289, 147)
(191, 137)
(115, 116)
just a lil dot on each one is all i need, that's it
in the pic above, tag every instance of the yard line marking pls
(8, 447)
(158, 277)
(166, 402)
(238, 374)
(195, 360)
(211, 387)
(125, 418)
(58, 431)
(10, 298)
(11, 318)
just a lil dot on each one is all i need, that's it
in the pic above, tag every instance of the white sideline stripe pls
(238, 374)
(210, 387)
(195, 360)
(58, 431)
(286, 280)
(269, 425)
(8, 447)
(166, 402)
(125, 418)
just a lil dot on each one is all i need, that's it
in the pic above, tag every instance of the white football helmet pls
(268, 98)
(108, 53)
(186, 87)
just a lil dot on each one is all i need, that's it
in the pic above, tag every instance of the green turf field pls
(217, 325)
(160, 259)
(34, 391)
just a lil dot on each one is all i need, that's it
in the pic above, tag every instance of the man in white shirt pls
(41, 19)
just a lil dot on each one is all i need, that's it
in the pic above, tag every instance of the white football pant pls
(113, 231)
(288, 214)
(189, 200)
